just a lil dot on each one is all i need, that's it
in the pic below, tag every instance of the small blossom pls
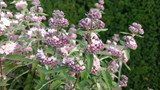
(8, 48)
(21, 5)
(3, 4)
(94, 14)
(35, 2)
(96, 65)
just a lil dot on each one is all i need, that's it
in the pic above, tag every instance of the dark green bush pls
(119, 14)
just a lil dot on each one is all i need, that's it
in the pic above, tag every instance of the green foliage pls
(119, 14)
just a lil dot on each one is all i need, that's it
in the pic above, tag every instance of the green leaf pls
(56, 84)
(73, 50)
(139, 36)
(28, 82)
(127, 66)
(42, 84)
(85, 82)
(49, 50)
(43, 14)
(99, 86)
(8, 68)
(45, 71)
(89, 58)
(79, 32)
(125, 33)
(127, 51)
(82, 44)
(84, 74)
(107, 79)
(20, 76)
(42, 76)
(17, 57)
(105, 57)
(100, 30)
(3, 83)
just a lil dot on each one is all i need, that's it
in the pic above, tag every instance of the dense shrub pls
(144, 62)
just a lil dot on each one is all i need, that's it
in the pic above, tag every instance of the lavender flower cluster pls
(45, 60)
(130, 42)
(99, 5)
(113, 66)
(112, 46)
(123, 82)
(75, 67)
(58, 19)
(92, 20)
(96, 65)
(96, 44)
(2, 4)
(21, 5)
(8, 48)
(57, 42)
(136, 28)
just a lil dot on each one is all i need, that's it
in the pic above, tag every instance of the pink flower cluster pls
(113, 66)
(72, 29)
(85, 23)
(3, 4)
(35, 2)
(8, 48)
(94, 14)
(96, 44)
(100, 5)
(136, 28)
(96, 65)
(92, 20)
(75, 67)
(58, 19)
(130, 42)
(112, 46)
(57, 42)
(124, 80)
(45, 60)
(21, 5)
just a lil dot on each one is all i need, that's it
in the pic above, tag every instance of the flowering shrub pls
(34, 56)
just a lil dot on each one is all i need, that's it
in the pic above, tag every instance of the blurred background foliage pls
(119, 14)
